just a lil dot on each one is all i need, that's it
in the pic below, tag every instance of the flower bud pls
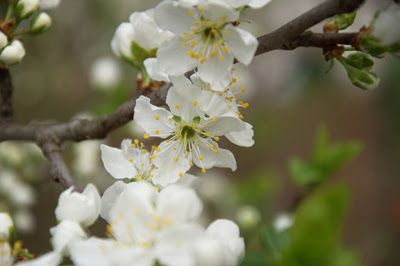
(40, 23)
(3, 40)
(13, 53)
(83, 208)
(25, 8)
(360, 61)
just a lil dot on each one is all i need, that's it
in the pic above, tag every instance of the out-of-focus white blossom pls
(64, 233)
(13, 53)
(41, 22)
(87, 157)
(82, 208)
(250, 3)
(25, 8)
(147, 225)
(386, 26)
(3, 40)
(24, 220)
(18, 192)
(48, 4)
(105, 74)
(283, 221)
(248, 216)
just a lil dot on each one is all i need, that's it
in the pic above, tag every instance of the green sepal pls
(360, 61)
(361, 78)
(373, 46)
(345, 20)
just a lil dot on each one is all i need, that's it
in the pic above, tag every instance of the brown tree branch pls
(58, 169)
(51, 137)
(6, 90)
(284, 37)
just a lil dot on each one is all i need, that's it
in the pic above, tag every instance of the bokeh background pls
(290, 96)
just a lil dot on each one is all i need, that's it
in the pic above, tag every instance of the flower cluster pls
(153, 219)
(11, 48)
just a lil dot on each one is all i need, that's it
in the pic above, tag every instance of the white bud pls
(386, 25)
(3, 40)
(283, 221)
(83, 208)
(41, 23)
(6, 225)
(248, 216)
(25, 8)
(12, 53)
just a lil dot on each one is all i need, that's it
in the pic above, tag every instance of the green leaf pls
(255, 259)
(325, 160)
(345, 20)
(272, 240)
(316, 231)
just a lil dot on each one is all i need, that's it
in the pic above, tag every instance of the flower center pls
(205, 39)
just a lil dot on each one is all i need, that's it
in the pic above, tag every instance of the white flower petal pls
(116, 163)
(223, 125)
(242, 138)
(152, 118)
(185, 101)
(92, 251)
(171, 163)
(109, 198)
(174, 16)
(223, 158)
(49, 259)
(214, 69)
(250, 3)
(145, 30)
(216, 11)
(173, 58)
(122, 40)
(228, 233)
(175, 245)
(241, 43)
(179, 204)
(154, 70)
(64, 233)
(209, 252)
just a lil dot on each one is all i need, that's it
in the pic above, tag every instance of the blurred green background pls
(353, 215)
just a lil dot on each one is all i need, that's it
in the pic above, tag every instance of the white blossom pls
(48, 4)
(193, 125)
(146, 225)
(13, 53)
(141, 31)
(386, 25)
(134, 162)
(283, 221)
(105, 74)
(82, 208)
(205, 38)
(6, 255)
